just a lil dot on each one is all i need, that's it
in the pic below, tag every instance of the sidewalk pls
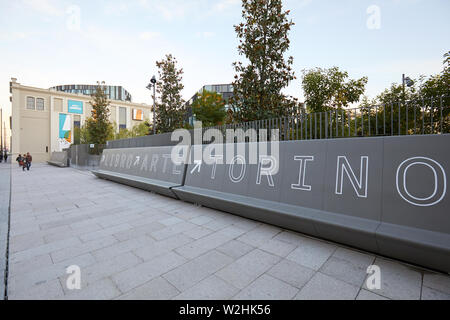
(132, 244)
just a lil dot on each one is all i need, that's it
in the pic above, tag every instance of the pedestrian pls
(19, 160)
(1, 156)
(28, 160)
(6, 156)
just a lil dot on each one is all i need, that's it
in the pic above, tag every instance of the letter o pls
(241, 175)
(440, 179)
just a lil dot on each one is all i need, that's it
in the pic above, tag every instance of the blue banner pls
(75, 106)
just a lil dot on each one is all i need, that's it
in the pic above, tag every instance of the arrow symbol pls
(137, 160)
(198, 164)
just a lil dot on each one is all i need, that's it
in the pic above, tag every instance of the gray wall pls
(387, 195)
(80, 158)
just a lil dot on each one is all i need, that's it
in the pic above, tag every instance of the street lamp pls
(149, 86)
(408, 82)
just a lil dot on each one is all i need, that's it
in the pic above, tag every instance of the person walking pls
(28, 160)
(6, 156)
(19, 160)
(1, 156)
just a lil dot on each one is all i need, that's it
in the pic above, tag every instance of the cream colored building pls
(40, 115)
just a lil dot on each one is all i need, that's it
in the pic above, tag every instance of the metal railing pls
(423, 116)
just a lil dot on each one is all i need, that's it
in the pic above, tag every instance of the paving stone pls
(232, 231)
(156, 289)
(290, 237)
(357, 258)
(217, 224)
(267, 288)
(38, 262)
(197, 269)
(100, 290)
(311, 253)
(105, 232)
(122, 247)
(158, 248)
(277, 247)
(138, 231)
(291, 272)
(398, 282)
(45, 291)
(201, 220)
(197, 232)
(247, 268)
(97, 271)
(259, 235)
(437, 281)
(211, 288)
(25, 241)
(368, 295)
(144, 272)
(344, 270)
(170, 221)
(103, 227)
(22, 282)
(172, 230)
(82, 248)
(432, 294)
(43, 249)
(235, 249)
(323, 287)
(200, 246)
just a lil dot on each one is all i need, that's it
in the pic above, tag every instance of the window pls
(122, 118)
(30, 103)
(39, 104)
(76, 121)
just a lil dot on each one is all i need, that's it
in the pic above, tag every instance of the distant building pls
(43, 120)
(225, 90)
(113, 92)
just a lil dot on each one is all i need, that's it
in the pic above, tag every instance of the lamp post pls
(149, 86)
(408, 82)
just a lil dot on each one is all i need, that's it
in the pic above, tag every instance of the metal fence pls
(424, 116)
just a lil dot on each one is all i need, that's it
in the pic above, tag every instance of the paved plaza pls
(133, 244)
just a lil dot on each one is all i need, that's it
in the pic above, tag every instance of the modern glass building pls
(113, 92)
(225, 90)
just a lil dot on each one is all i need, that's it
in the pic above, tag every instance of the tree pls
(263, 40)
(141, 129)
(98, 125)
(209, 108)
(170, 109)
(327, 89)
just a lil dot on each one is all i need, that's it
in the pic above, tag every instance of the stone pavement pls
(132, 244)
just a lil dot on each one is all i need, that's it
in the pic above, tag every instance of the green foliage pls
(209, 108)
(141, 129)
(327, 89)
(170, 108)
(138, 130)
(263, 40)
(98, 125)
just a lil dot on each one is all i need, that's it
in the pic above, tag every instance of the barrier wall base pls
(158, 186)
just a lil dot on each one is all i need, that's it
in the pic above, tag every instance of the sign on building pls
(138, 114)
(75, 106)
(65, 132)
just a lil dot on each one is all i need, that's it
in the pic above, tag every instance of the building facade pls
(43, 120)
(113, 92)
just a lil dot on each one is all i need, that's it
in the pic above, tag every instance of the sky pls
(44, 43)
